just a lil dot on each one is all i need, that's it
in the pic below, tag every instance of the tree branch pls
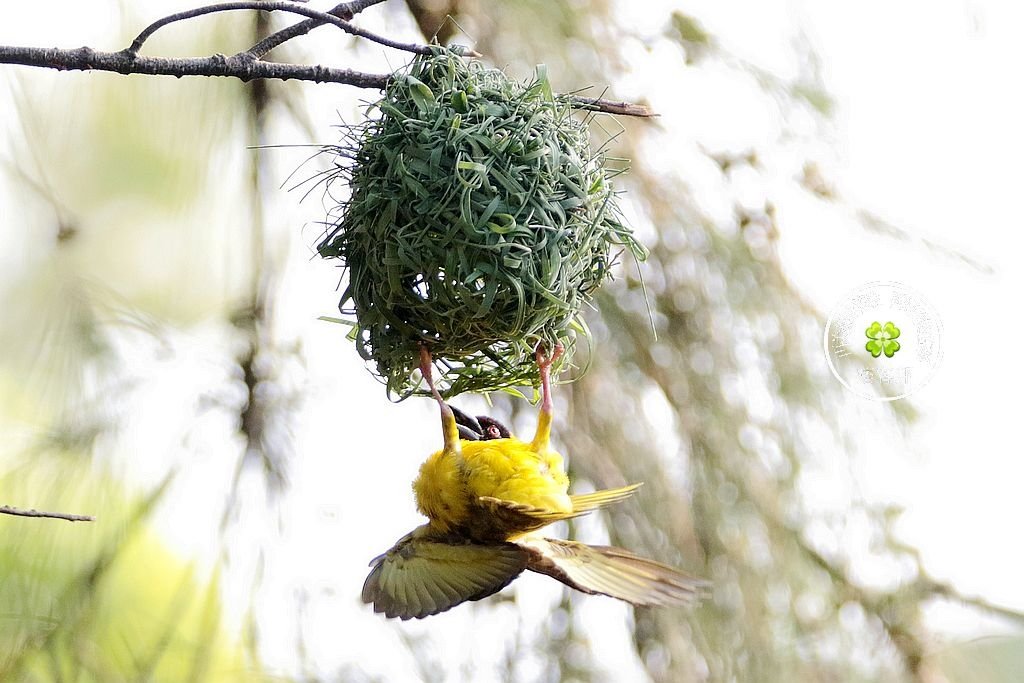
(249, 65)
(241, 66)
(345, 10)
(238, 66)
(610, 107)
(950, 593)
(293, 7)
(8, 510)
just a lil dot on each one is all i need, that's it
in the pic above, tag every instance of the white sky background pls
(927, 134)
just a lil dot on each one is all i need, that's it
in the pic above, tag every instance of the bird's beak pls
(479, 428)
(469, 428)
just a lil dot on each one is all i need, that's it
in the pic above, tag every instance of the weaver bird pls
(485, 494)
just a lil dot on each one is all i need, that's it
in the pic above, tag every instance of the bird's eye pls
(492, 429)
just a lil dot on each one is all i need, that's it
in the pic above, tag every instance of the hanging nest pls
(479, 222)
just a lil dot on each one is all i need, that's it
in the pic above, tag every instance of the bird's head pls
(479, 428)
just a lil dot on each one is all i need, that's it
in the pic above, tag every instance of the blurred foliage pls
(691, 35)
(102, 601)
(122, 191)
(134, 218)
(434, 18)
(986, 660)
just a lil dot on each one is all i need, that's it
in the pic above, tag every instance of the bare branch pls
(242, 66)
(950, 593)
(16, 512)
(248, 65)
(345, 10)
(238, 66)
(293, 7)
(610, 107)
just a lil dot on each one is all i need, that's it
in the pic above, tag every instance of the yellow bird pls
(485, 494)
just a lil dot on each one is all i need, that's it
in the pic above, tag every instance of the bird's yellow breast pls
(449, 484)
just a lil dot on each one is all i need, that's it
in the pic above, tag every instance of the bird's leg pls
(449, 427)
(544, 362)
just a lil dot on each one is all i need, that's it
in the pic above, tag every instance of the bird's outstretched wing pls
(611, 571)
(521, 518)
(421, 576)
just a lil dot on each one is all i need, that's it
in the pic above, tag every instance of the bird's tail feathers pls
(610, 571)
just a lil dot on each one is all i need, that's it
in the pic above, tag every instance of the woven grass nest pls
(478, 221)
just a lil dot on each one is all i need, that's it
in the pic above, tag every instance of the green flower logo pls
(883, 339)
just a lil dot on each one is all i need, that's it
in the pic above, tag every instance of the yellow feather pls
(441, 494)
(591, 501)
(449, 486)
(510, 469)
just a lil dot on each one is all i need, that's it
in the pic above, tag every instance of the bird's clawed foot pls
(544, 362)
(427, 370)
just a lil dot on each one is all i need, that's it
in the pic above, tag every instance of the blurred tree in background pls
(120, 233)
(715, 408)
(108, 602)
(149, 341)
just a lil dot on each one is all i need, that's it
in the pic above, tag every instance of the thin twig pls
(610, 107)
(950, 593)
(345, 10)
(237, 66)
(16, 512)
(262, 5)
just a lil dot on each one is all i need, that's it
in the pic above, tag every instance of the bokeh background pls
(162, 365)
